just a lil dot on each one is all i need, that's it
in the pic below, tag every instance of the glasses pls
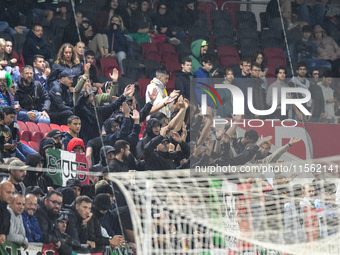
(56, 203)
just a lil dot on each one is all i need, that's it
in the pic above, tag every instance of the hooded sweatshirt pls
(34, 46)
(328, 49)
(182, 83)
(196, 55)
(75, 142)
(103, 151)
(35, 178)
(153, 122)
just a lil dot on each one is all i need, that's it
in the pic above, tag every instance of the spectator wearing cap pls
(33, 98)
(36, 191)
(152, 129)
(74, 127)
(57, 136)
(67, 242)
(44, 145)
(75, 184)
(61, 100)
(17, 173)
(30, 221)
(198, 49)
(17, 231)
(37, 178)
(107, 154)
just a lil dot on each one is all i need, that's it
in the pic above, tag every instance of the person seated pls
(75, 184)
(35, 45)
(328, 49)
(142, 21)
(7, 99)
(129, 13)
(44, 145)
(10, 17)
(86, 228)
(167, 24)
(11, 67)
(74, 126)
(40, 72)
(47, 214)
(80, 49)
(103, 18)
(30, 221)
(57, 136)
(85, 110)
(313, 16)
(116, 35)
(259, 96)
(33, 98)
(61, 100)
(17, 233)
(190, 14)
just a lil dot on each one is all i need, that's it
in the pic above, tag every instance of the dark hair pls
(81, 199)
(186, 60)
(256, 65)
(9, 110)
(228, 70)
(72, 118)
(315, 69)
(35, 58)
(306, 29)
(132, 1)
(89, 53)
(27, 67)
(247, 60)
(161, 72)
(120, 144)
(252, 134)
(36, 25)
(301, 64)
(158, 115)
(255, 57)
(277, 70)
(53, 192)
(208, 59)
(107, 5)
(327, 74)
(2, 116)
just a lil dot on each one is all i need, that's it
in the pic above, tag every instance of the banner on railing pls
(69, 163)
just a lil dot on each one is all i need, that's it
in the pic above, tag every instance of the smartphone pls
(265, 70)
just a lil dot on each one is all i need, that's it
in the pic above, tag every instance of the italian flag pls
(63, 165)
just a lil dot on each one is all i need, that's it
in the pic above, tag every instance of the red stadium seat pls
(37, 136)
(228, 56)
(207, 6)
(25, 135)
(108, 64)
(232, 8)
(22, 126)
(173, 68)
(55, 126)
(34, 145)
(274, 57)
(143, 83)
(64, 128)
(170, 86)
(44, 128)
(32, 127)
(24, 142)
(20, 60)
(150, 51)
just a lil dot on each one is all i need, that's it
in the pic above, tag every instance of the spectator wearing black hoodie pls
(182, 82)
(67, 242)
(37, 178)
(107, 154)
(44, 145)
(84, 109)
(35, 45)
(157, 155)
(75, 184)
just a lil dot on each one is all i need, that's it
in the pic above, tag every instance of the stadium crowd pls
(105, 118)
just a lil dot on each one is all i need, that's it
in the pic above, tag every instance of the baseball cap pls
(66, 73)
(55, 133)
(204, 43)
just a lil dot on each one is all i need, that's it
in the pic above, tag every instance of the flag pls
(63, 165)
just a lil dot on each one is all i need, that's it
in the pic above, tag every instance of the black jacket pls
(91, 232)
(33, 97)
(47, 223)
(57, 69)
(34, 46)
(5, 219)
(118, 166)
(61, 99)
(182, 83)
(158, 160)
(85, 111)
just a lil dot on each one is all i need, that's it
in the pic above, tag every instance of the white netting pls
(177, 212)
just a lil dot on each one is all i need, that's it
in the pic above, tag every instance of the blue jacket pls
(60, 97)
(202, 76)
(116, 39)
(32, 228)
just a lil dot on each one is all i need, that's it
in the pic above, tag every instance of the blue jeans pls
(315, 17)
(22, 151)
(23, 116)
